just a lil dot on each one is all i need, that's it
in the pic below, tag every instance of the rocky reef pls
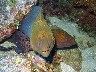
(69, 17)
(11, 13)
(81, 11)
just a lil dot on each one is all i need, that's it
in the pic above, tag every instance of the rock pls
(66, 68)
(69, 27)
(72, 58)
(7, 44)
(57, 59)
(85, 41)
(89, 59)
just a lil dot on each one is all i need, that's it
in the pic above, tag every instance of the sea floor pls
(80, 59)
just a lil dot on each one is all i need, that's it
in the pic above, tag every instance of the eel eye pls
(45, 51)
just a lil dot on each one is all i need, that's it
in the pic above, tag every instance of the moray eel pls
(35, 34)
(41, 39)
(35, 27)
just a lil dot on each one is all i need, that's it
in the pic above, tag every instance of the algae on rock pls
(73, 58)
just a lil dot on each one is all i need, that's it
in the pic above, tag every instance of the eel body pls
(62, 38)
(35, 27)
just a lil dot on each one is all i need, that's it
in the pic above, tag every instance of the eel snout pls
(45, 52)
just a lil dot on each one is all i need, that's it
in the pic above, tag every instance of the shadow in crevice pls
(66, 48)
(5, 49)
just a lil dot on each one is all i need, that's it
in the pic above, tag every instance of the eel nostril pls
(47, 50)
(43, 51)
